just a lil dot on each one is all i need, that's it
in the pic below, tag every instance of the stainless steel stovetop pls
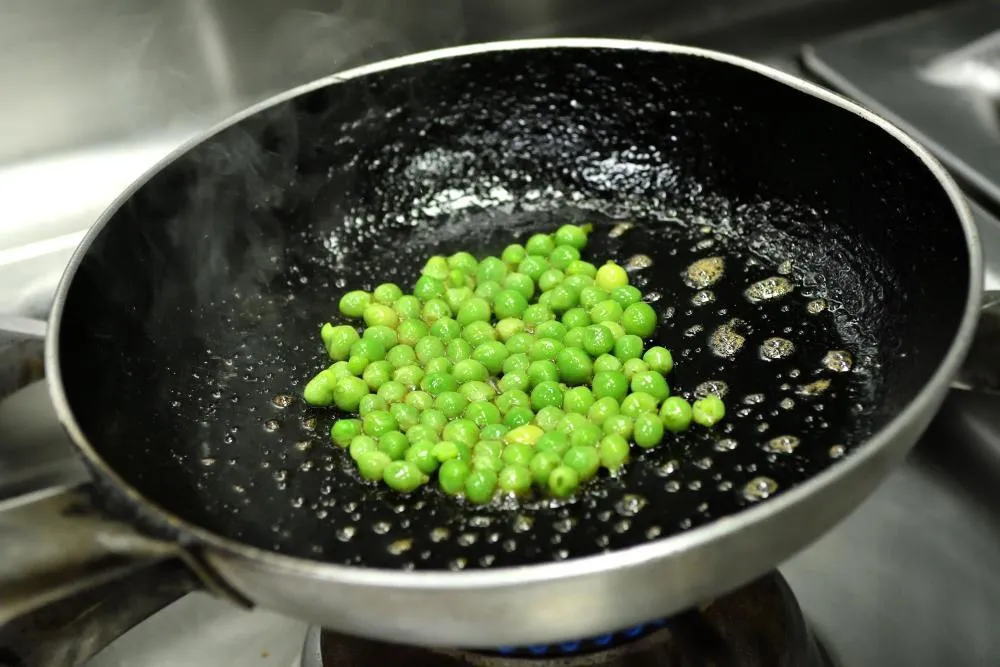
(911, 578)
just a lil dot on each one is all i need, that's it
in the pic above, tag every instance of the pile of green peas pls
(520, 374)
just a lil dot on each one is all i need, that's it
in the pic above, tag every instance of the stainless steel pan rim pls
(917, 411)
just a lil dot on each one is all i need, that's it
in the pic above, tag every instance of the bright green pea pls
(574, 366)
(659, 359)
(509, 327)
(378, 422)
(421, 433)
(436, 267)
(407, 307)
(491, 354)
(494, 431)
(489, 448)
(648, 430)
(578, 282)
(377, 314)
(451, 403)
(563, 298)
(573, 235)
(708, 411)
(468, 370)
(578, 399)
(521, 284)
(421, 455)
(338, 340)
(638, 403)
(372, 465)
(617, 330)
(607, 362)
(478, 333)
(606, 311)
(348, 392)
(652, 383)
(533, 267)
(548, 418)
(509, 400)
(520, 343)
(411, 330)
(480, 486)
(406, 416)
(515, 479)
(464, 262)
(357, 364)
(491, 268)
(420, 400)
(436, 384)
(429, 347)
(613, 451)
(344, 431)
(536, 313)
(517, 454)
(434, 310)
(483, 413)
(542, 370)
(513, 254)
(371, 403)
(563, 256)
(587, 435)
(353, 303)
(447, 451)
(628, 347)
(458, 350)
(571, 422)
(445, 329)
(438, 365)
(394, 444)
(387, 293)
(591, 296)
(514, 380)
(581, 268)
(620, 425)
(544, 348)
(339, 369)
(541, 466)
(610, 277)
(516, 363)
(553, 330)
(518, 416)
(473, 310)
(384, 335)
(456, 296)
(633, 367)
(626, 295)
(611, 384)
(576, 317)
(401, 355)
(452, 476)
(550, 279)
(409, 376)
(540, 245)
(368, 348)
(434, 419)
(639, 319)
(563, 481)
(488, 290)
(377, 373)
(319, 391)
(392, 392)
(545, 394)
(602, 409)
(598, 340)
(363, 444)
(461, 430)
(584, 460)
(676, 414)
(553, 441)
(403, 476)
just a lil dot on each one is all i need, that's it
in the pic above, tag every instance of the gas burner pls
(759, 625)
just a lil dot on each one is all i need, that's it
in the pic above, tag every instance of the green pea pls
(613, 452)
(602, 409)
(357, 364)
(461, 430)
(456, 296)
(362, 444)
(446, 451)
(513, 399)
(620, 425)
(509, 327)
(338, 340)
(676, 414)
(436, 267)
(494, 431)
(392, 392)
(445, 329)
(478, 333)
(348, 392)
(491, 354)
(540, 245)
(578, 399)
(513, 254)
(394, 444)
(587, 435)
(626, 295)
(652, 383)
(353, 303)
(610, 277)
(571, 422)
(488, 290)
(407, 307)
(536, 313)
(468, 370)
(606, 311)
(378, 422)
(576, 317)
(491, 268)
(544, 348)
(562, 256)
(338, 369)
(518, 416)
(533, 267)
(521, 284)
(450, 403)
(473, 310)
(610, 384)
(344, 431)
(562, 298)
(517, 454)
(545, 394)
(409, 376)
(372, 465)
(421, 433)
(428, 288)
(516, 363)
(572, 235)
(377, 314)
(708, 411)
(606, 363)
(480, 486)
(584, 460)
(371, 403)
(452, 476)
(514, 380)
(550, 279)
(548, 418)
(488, 448)
(542, 371)
(436, 384)
(541, 466)
(387, 293)
(515, 479)
(659, 359)
(639, 319)
(434, 310)
(464, 262)
(574, 337)
(574, 366)
(581, 268)
(411, 330)
(433, 418)
(551, 330)
(420, 400)
(406, 416)
(369, 348)
(319, 390)
(438, 365)
(563, 481)
(554, 442)
(648, 430)
(598, 340)
(628, 347)
(633, 367)
(401, 355)
(638, 403)
(403, 476)
(520, 343)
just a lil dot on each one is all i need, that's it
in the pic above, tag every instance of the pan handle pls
(981, 370)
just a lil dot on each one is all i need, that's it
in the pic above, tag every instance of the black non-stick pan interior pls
(194, 315)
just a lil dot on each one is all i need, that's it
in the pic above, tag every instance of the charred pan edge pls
(927, 400)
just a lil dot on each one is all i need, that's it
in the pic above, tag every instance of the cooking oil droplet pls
(630, 504)
(439, 534)
(704, 272)
(768, 289)
(400, 547)
(487, 560)
(753, 399)
(653, 532)
(704, 463)
(787, 403)
(839, 361)
(776, 348)
(271, 425)
(303, 445)
(638, 262)
(620, 229)
(725, 445)
(711, 388)
(785, 268)
(783, 444)
(816, 306)
(726, 341)
(283, 400)
(725, 485)
(622, 526)
(308, 424)
(522, 523)
(693, 331)
(298, 502)
(673, 486)
(814, 388)
(702, 298)
(667, 469)
(346, 534)
(837, 451)
(458, 564)
(759, 488)
(208, 461)
(602, 541)
(467, 539)
(381, 527)
(564, 525)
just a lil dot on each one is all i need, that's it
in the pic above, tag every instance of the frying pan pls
(186, 325)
